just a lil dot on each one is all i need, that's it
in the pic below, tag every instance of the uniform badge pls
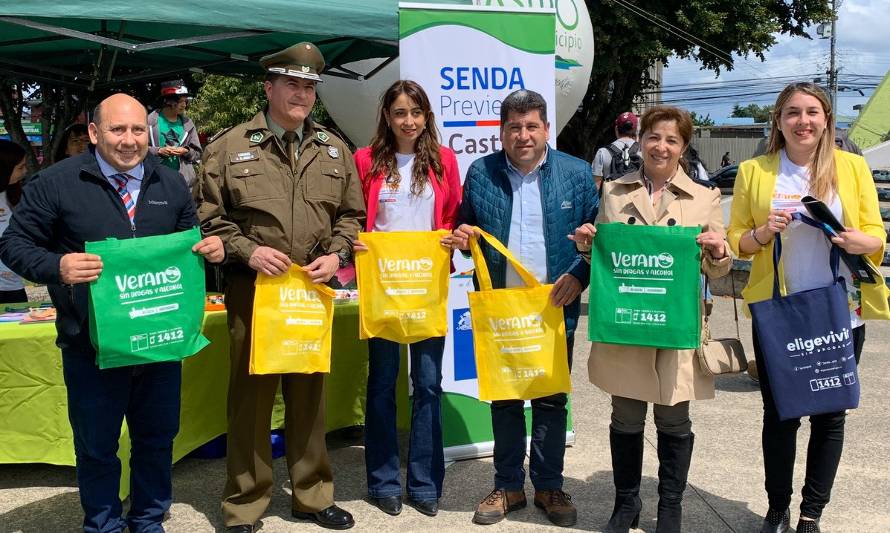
(333, 152)
(304, 68)
(240, 157)
(323, 137)
(256, 137)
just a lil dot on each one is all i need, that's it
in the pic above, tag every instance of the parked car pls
(725, 178)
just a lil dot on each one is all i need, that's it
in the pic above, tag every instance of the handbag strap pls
(482, 273)
(735, 306)
(834, 260)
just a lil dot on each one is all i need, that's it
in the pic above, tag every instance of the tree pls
(12, 103)
(628, 42)
(698, 120)
(757, 112)
(60, 106)
(226, 101)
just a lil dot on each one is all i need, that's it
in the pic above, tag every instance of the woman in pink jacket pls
(410, 183)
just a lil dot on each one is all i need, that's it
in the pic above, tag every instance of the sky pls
(863, 48)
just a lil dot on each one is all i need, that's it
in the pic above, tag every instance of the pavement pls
(725, 491)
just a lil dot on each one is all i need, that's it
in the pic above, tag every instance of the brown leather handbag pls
(724, 355)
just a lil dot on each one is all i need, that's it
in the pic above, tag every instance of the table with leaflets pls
(34, 425)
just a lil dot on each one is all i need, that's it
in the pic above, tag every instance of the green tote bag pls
(645, 286)
(148, 304)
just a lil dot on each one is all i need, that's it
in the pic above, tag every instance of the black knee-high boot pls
(627, 470)
(674, 456)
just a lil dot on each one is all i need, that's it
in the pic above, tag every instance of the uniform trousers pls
(249, 483)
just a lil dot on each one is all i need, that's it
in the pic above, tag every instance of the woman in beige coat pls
(660, 193)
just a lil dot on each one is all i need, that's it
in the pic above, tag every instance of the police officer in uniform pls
(279, 190)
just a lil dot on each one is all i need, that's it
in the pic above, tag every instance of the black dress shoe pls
(332, 518)
(391, 505)
(243, 528)
(427, 507)
(776, 521)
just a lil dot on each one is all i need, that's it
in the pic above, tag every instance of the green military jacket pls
(250, 196)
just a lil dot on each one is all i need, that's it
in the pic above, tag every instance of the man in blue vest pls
(530, 197)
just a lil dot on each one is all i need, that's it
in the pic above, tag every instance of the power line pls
(681, 33)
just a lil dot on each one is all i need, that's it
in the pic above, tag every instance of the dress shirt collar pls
(534, 170)
(279, 132)
(136, 172)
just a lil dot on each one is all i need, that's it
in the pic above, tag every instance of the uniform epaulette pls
(218, 134)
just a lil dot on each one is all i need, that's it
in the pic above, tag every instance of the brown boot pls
(558, 506)
(496, 505)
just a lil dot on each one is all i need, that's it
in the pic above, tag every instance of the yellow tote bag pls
(518, 334)
(292, 321)
(403, 285)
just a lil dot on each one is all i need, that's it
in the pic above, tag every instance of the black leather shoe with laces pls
(332, 518)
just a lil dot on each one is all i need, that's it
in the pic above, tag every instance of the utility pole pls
(832, 69)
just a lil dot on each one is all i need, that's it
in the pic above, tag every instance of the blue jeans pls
(548, 440)
(98, 401)
(426, 460)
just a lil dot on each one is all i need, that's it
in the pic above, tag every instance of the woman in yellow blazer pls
(801, 160)
(660, 193)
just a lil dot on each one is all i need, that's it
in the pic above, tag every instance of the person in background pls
(661, 193)
(13, 167)
(75, 140)
(172, 135)
(530, 196)
(697, 169)
(845, 143)
(725, 161)
(410, 183)
(625, 138)
(802, 159)
(86, 198)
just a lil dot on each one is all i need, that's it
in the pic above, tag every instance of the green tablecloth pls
(34, 425)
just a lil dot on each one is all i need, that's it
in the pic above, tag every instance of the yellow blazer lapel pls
(765, 186)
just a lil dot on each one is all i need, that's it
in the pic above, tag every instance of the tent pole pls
(68, 32)
(120, 34)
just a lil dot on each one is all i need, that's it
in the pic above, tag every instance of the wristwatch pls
(345, 257)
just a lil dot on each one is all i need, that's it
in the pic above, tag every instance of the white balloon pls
(574, 57)
(353, 104)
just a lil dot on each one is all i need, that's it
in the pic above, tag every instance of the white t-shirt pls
(9, 281)
(806, 250)
(399, 209)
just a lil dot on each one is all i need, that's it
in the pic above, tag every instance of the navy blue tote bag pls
(807, 345)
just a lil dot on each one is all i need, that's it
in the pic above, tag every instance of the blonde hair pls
(823, 175)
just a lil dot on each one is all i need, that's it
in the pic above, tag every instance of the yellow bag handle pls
(482, 273)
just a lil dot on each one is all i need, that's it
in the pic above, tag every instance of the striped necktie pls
(129, 204)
